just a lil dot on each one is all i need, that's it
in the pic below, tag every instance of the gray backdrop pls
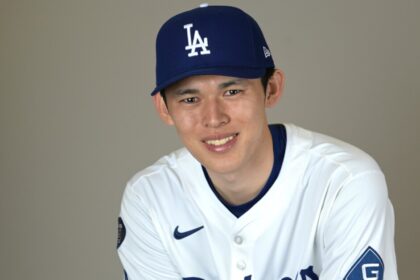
(76, 121)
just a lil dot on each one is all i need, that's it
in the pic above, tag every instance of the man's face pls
(221, 120)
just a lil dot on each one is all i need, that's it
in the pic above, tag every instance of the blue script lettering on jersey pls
(308, 274)
(305, 274)
(196, 278)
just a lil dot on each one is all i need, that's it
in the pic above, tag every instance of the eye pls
(232, 92)
(189, 100)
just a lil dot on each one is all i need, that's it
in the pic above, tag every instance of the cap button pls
(204, 5)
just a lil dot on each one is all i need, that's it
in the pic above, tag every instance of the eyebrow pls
(185, 91)
(231, 83)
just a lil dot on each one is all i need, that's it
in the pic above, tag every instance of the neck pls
(245, 184)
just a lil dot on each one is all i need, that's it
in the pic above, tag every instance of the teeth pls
(219, 142)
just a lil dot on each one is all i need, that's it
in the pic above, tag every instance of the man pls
(244, 199)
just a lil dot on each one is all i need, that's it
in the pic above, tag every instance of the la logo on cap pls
(196, 42)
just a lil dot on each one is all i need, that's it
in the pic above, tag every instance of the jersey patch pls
(368, 267)
(121, 232)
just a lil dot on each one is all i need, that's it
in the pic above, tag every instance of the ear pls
(274, 89)
(162, 109)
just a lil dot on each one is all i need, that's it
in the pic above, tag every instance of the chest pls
(278, 244)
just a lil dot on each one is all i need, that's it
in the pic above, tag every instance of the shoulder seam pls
(158, 167)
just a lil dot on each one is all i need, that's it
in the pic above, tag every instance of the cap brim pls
(240, 72)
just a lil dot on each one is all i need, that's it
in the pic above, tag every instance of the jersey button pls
(241, 265)
(238, 240)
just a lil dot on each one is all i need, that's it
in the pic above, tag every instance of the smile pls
(219, 142)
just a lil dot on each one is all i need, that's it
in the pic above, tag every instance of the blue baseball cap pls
(210, 40)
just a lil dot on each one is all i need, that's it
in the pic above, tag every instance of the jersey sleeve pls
(140, 249)
(358, 238)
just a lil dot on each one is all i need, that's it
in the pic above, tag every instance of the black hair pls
(268, 74)
(264, 81)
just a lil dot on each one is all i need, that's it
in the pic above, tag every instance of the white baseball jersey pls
(326, 215)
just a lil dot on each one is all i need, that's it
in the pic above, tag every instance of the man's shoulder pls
(329, 149)
(165, 172)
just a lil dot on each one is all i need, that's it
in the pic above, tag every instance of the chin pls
(221, 163)
(221, 166)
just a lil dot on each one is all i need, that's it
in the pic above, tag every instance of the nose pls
(215, 114)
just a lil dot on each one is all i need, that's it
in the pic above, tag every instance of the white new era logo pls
(196, 42)
(267, 52)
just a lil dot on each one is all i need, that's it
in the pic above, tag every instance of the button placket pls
(241, 265)
(238, 239)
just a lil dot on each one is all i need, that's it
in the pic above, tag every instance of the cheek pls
(185, 121)
(248, 111)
